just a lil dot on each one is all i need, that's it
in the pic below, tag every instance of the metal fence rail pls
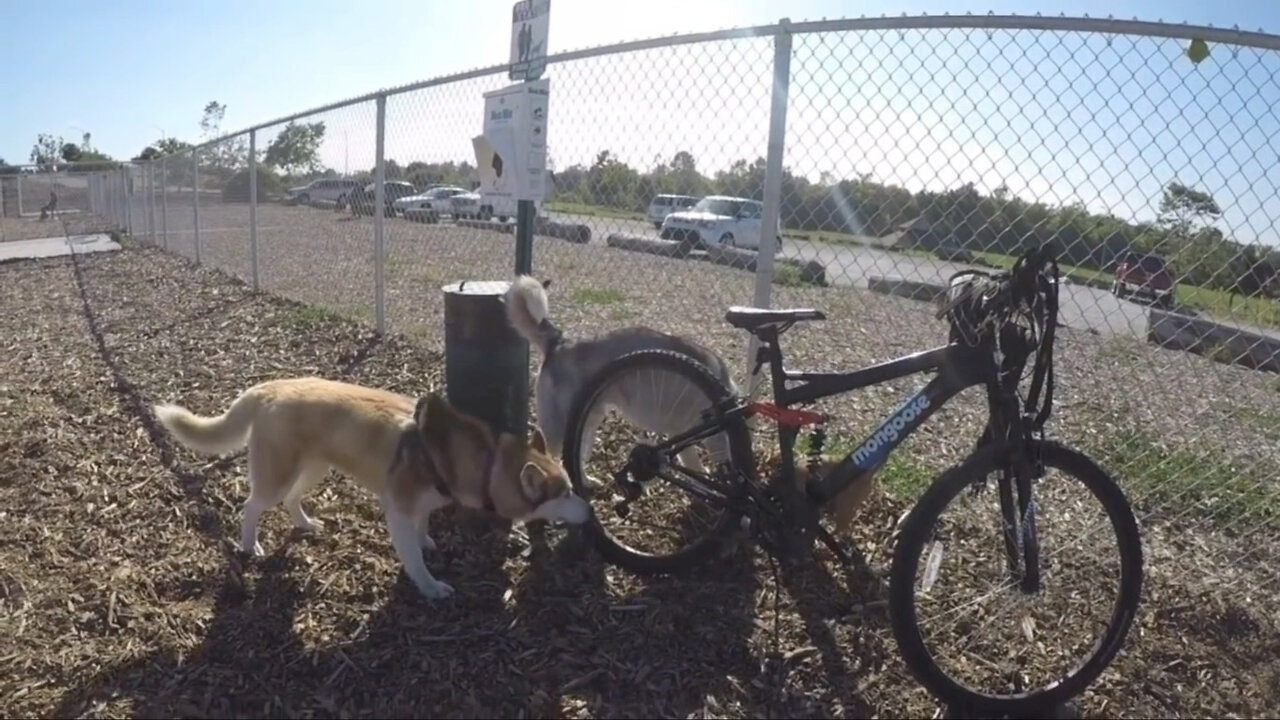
(890, 153)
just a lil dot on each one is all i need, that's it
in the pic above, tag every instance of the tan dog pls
(417, 457)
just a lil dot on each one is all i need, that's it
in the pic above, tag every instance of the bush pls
(237, 187)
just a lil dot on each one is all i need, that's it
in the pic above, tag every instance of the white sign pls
(511, 155)
(530, 21)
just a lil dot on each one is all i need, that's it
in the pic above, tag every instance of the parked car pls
(1146, 276)
(428, 205)
(473, 205)
(466, 205)
(663, 205)
(719, 220)
(328, 190)
(362, 201)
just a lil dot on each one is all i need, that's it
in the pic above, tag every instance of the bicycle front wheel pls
(658, 508)
(1016, 654)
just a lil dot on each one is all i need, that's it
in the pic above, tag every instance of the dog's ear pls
(538, 441)
(433, 414)
(531, 482)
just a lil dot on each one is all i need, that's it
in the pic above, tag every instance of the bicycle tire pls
(613, 551)
(916, 532)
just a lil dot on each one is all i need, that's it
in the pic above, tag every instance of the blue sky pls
(1107, 128)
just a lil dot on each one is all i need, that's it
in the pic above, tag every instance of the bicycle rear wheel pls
(662, 392)
(1034, 642)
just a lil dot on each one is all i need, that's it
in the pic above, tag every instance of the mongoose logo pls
(871, 451)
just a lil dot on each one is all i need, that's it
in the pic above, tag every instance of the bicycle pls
(998, 323)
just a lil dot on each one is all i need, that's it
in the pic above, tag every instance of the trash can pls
(486, 362)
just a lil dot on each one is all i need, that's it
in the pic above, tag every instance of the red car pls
(1146, 276)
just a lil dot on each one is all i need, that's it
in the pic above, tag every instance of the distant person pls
(50, 207)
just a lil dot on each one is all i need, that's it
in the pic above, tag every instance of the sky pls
(1100, 120)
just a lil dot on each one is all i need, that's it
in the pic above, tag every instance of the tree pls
(227, 156)
(211, 119)
(1196, 248)
(47, 151)
(1182, 207)
(296, 148)
(149, 152)
(70, 152)
(172, 146)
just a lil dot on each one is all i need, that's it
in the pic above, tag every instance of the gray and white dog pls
(569, 364)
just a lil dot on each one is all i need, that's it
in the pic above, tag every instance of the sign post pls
(511, 157)
(515, 126)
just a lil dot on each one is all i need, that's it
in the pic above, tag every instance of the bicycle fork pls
(1018, 515)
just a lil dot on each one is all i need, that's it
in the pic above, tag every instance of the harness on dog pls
(412, 443)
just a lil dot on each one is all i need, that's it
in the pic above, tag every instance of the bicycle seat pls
(752, 319)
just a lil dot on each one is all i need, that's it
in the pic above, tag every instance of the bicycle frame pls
(959, 367)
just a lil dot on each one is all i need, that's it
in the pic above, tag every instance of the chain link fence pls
(34, 197)
(871, 159)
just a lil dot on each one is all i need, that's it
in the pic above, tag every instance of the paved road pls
(1082, 307)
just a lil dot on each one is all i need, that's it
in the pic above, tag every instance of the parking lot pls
(1082, 307)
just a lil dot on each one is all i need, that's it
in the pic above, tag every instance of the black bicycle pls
(999, 323)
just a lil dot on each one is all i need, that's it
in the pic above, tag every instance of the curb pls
(640, 243)
(1221, 343)
(911, 289)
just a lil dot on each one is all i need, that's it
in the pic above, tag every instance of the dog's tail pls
(211, 435)
(528, 310)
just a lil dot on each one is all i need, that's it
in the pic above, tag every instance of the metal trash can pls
(486, 362)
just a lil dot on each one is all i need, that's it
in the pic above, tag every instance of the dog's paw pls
(436, 591)
(428, 543)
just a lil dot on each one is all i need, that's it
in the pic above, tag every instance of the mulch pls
(121, 594)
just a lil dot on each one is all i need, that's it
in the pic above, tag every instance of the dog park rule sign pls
(530, 22)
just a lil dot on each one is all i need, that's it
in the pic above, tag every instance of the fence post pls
(126, 191)
(19, 184)
(195, 188)
(151, 200)
(379, 197)
(164, 201)
(772, 182)
(253, 203)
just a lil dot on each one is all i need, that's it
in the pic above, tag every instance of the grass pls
(309, 317)
(594, 211)
(1266, 422)
(1218, 303)
(598, 296)
(1077, 274)
(788, 276)
(1180, 481)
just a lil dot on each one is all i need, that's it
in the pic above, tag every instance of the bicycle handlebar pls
(980, 307)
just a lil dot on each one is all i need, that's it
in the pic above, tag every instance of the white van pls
(720, 220)
(663, 205)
